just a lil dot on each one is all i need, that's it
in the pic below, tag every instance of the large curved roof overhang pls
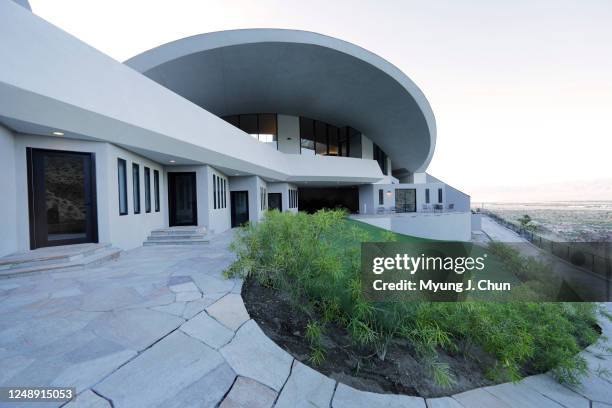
(299, 73)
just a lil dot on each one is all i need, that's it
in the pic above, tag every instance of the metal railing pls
(579, 254)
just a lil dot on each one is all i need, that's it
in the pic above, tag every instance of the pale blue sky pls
(521, 90)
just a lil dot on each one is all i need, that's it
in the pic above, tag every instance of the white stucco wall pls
(8, 203)
(131, 230)
(367, 148)
(459, 200)
(288, 134)
(440, 226)
(219, 219)
(366, 199)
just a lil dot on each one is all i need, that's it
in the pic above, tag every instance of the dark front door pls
(62, 198)
(275, 201)
(240, 207)
(182, 203)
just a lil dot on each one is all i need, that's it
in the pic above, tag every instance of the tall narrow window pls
(156, 187)
(332, 137)
(381, 158)
(136, 187)
(440, 195)
(426, 196)
(224, 193)
(147, 191)
(321, 137)
(381, 197)
(122, 179)
(307, 145)
(214, 191)
(219, 192)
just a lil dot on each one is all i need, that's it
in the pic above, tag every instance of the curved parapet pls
(299, 73)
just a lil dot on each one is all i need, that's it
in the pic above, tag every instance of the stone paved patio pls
(161, 327)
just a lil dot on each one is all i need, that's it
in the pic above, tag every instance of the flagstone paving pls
(162, 327)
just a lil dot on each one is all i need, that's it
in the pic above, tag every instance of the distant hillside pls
(598, 190)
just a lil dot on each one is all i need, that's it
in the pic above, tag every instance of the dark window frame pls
(427, 196)
(122, 183)
(156, 189)
(214, 181)
(136, 187)
(147, 182)
(381, 196)
(440, 198)
(224, 193)
(236, 121)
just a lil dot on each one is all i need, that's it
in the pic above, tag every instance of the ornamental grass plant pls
(315, 260)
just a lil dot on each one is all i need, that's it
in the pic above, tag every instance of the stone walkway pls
(161, 327)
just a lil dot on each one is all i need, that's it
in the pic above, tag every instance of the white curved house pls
(209, 130)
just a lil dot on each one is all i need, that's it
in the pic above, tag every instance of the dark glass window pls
(262, 126)
(136, 187)
(381, 158)
(426, 196)
(381, 197)
(223, 201)
(122, 179)
(218, 192)
(321, 137)
(267, 128)
(147, 186)
(307, 136)
(248, 124)
(332, 136)
(233, 120)
(440, 195)
(214, 191)
(156, 187)
(343, 142)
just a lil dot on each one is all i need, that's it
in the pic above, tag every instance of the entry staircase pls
(56, 259)
(190, 235)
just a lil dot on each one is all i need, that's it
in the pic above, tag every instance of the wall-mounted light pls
(172, 161)
(389, 193)
(58, 133)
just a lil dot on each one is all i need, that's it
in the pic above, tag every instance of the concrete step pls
(175, 237)
(194, 241)
(179, 231)
(51, 255)
(95, 258)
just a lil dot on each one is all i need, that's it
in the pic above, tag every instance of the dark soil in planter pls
(399, 373)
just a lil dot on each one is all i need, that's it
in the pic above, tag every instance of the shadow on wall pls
(314, 199)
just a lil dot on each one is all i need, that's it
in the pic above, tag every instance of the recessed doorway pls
(62, 198)
(240, 207)
(182, 199)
